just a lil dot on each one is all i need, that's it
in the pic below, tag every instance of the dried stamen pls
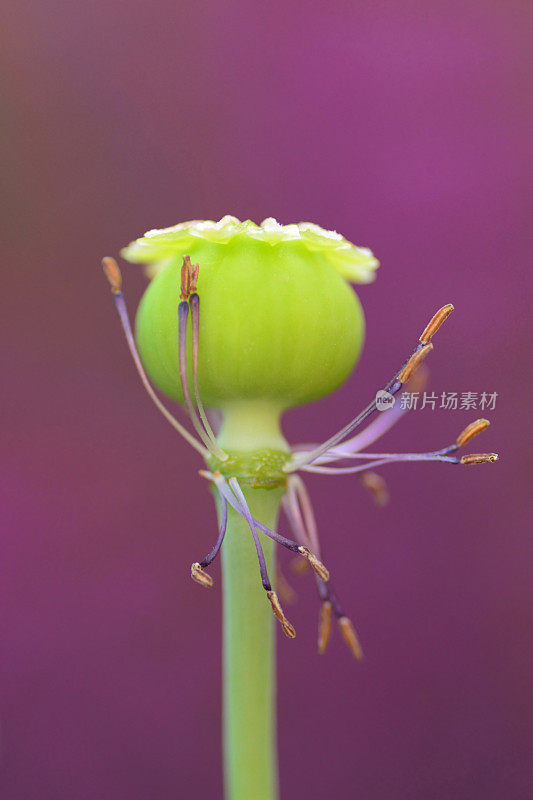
(479, 458)
(350, 637)
(345, 626)
(435, 322)
(197, 569)
(189, 278)
(201, 577)
(472, 430)
(113, 275)
(400, 457)
(288, 629)
(324, 625)
(315, 563)
(444, 454)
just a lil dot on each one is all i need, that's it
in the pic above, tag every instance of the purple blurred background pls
(405, 127)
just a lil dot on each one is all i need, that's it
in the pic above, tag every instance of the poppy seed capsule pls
(279, 321)
(280, 326)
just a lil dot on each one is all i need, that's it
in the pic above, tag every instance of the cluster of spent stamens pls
(189, 300)
(341, 447)
(230, 492)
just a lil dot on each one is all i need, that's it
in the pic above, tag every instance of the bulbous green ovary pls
(277, 323)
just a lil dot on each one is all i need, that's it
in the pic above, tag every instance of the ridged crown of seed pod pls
(279, 320)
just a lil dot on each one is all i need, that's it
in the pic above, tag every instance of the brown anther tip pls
(201, 577)
(112, 273)
(435, 322)
(288, 629)
(479, 458)
(377, 486)
(350, 637)
(472, 430)
(189, 278)
(315, 563)
(324, 626)
(414, 362)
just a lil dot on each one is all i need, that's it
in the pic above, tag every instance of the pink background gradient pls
(405, 127)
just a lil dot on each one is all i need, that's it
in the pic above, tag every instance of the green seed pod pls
(279, 321)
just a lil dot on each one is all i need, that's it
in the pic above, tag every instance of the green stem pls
(249, 677)
(250, 752)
